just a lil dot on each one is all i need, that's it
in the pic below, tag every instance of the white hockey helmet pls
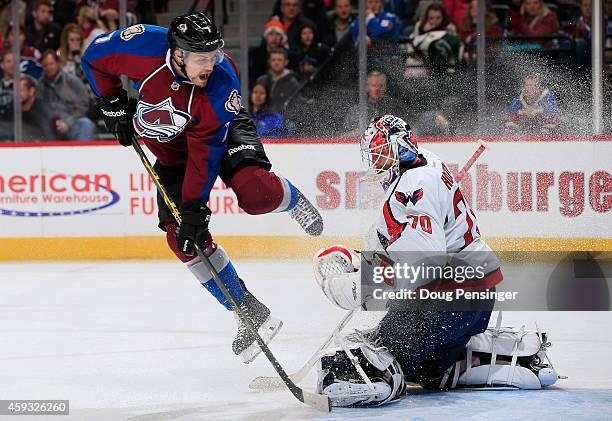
(387, 142)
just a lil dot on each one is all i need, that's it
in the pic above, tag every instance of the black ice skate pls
(307, 216)
(267, 326)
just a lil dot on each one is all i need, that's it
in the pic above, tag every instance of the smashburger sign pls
(55, 194)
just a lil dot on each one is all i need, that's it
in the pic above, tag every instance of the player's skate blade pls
(307, 216)
(267, 331)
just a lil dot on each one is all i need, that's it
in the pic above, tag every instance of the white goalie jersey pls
(424, 210)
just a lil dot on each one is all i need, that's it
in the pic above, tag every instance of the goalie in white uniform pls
(423, 210)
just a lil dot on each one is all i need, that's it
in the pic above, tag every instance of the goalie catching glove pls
(336, 270)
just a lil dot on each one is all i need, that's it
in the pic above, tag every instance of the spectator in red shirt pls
(535, 19)
(456, 10)
(493, 29)
(468, 24)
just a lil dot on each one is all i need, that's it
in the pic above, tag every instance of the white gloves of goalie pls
(336, 270)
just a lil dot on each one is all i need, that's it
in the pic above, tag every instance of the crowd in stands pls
(410, 44)
(56, 101)
(427, 38)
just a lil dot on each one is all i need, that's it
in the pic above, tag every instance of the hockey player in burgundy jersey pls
(189, 113)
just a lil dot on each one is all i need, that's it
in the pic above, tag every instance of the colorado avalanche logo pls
(160, 121)
(233, 103)
(413, 198)
(131, 32)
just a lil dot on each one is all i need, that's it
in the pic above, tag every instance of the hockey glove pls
(117, 111)
(194, 227)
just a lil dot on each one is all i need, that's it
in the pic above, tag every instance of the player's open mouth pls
(204, 78)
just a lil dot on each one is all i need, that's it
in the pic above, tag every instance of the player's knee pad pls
(221, 262)
(377, 380)
(506, 358)
(260, 191)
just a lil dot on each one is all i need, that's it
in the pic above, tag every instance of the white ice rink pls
(143, 341)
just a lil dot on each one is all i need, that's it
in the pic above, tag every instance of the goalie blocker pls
(457, 350)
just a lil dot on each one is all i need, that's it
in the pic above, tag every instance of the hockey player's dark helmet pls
(194, 33)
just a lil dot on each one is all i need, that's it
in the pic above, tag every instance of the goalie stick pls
(274, 383)
(483, 146)
(314, 400)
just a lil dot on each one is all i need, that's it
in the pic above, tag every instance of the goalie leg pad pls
(498, 375)
(511, 358)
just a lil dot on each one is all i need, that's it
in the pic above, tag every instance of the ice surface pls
(143, 341)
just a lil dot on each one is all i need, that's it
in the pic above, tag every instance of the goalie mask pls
(387, 143)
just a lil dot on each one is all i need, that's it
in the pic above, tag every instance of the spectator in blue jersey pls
(29, 55)
(534, 111)
(380, 25)
(66, 95)
(268, 123)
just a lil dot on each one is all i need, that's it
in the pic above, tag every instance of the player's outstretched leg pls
(267, 326)
(260, 191)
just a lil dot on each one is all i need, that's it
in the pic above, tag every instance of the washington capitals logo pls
(413, 198)
(160, 121)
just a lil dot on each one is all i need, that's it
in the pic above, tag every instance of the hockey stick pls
(314, 400)
(483, 146)
(273, 383)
